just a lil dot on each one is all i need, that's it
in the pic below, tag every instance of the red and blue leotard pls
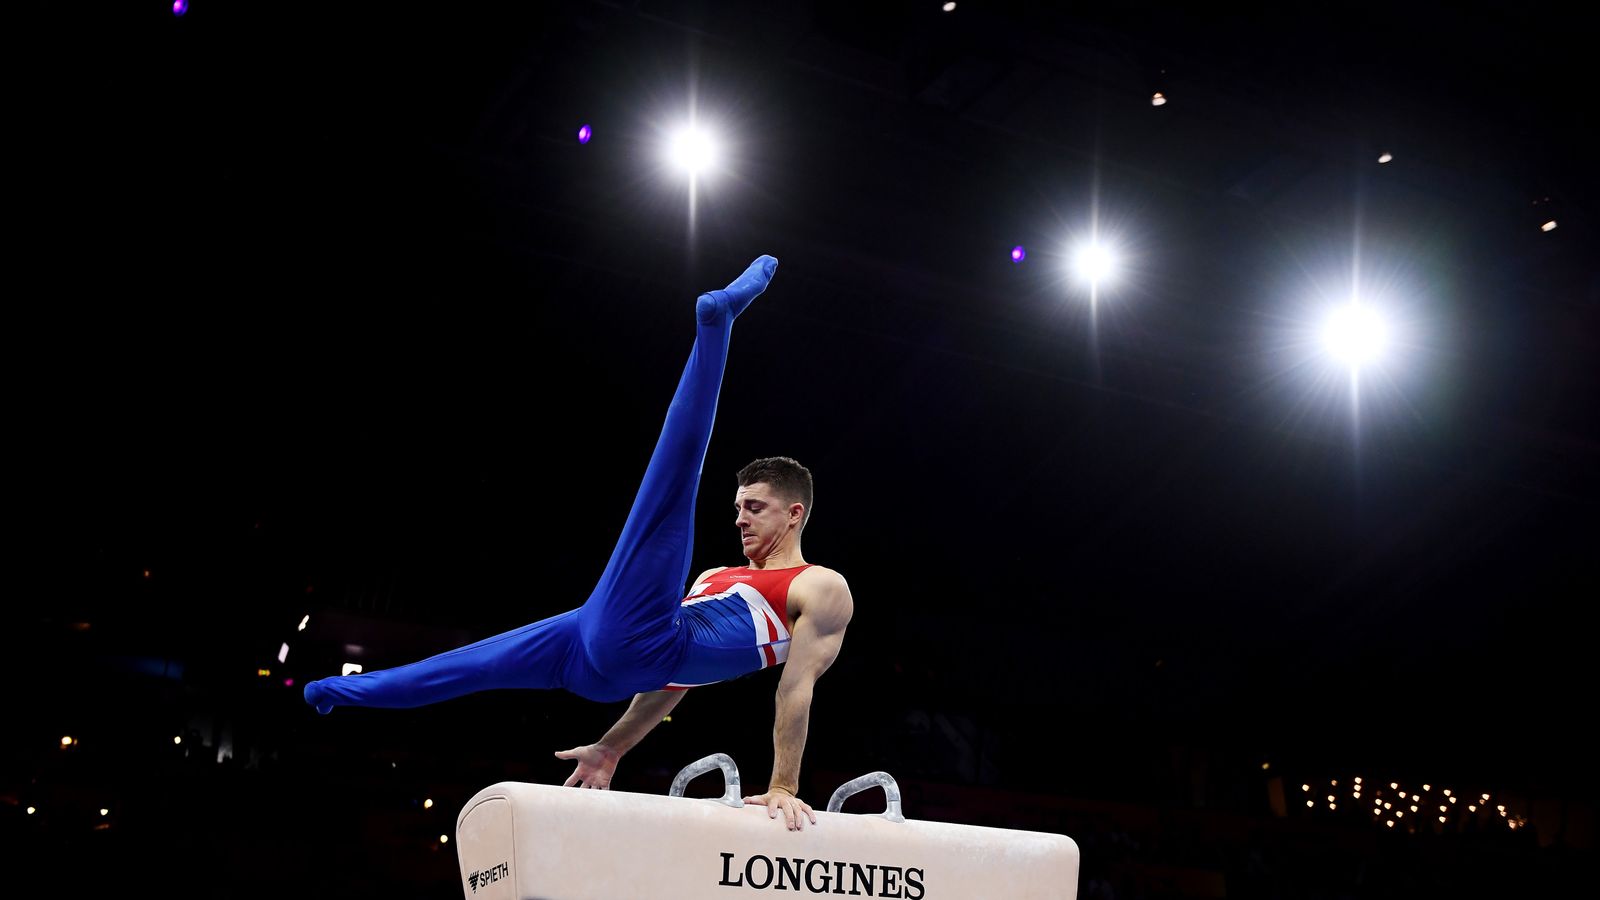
(737, 621)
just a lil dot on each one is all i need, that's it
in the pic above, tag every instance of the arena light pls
(1095, 263)
(1355, 334)
(691, 149)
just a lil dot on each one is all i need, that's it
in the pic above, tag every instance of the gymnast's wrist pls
(785, 788)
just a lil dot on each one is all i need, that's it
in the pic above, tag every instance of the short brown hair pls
(787, 478)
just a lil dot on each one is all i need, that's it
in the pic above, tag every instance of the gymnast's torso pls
(735, 621)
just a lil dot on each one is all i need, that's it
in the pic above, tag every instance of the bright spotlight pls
(1095, 264)
(1355, 335)
(691, 150)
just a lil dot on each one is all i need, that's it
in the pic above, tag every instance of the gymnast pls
(633, 636)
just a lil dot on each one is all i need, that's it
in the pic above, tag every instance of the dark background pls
(329, 313)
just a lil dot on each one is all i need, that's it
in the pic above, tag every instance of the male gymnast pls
(633, 636)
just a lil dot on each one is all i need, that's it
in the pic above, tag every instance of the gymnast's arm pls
(814, 646)
(597, 762)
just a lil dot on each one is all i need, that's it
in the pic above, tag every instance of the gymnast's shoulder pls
(820, 590)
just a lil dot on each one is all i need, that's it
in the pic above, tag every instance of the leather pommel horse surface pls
(542, 842)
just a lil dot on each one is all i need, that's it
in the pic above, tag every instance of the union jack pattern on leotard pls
(737, 622)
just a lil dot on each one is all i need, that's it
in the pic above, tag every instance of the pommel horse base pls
(519, 841)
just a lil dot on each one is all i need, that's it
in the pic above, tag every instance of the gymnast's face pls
(763, 519)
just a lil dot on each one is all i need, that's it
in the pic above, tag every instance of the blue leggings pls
(625, 638)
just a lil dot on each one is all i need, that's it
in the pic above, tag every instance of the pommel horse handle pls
(732, 796)
(891, 792)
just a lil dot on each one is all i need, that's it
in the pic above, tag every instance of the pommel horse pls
(518, 841)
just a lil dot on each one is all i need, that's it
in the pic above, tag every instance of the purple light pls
(584, 134)
(1018, 254)
(179, 7)
(288, 682)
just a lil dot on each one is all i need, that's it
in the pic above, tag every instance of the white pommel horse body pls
(541, 842)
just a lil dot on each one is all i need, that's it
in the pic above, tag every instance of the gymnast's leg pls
(533, 656)
(626, 622)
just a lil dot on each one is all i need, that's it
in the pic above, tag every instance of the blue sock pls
(733, 299)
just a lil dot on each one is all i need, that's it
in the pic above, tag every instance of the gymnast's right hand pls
(596, 764)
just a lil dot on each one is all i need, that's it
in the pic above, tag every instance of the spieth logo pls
(821, 876)
(485, 876)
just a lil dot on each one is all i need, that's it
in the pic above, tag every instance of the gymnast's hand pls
(795, 811)
(596, 764)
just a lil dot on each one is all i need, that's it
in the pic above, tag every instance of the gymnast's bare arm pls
(822, 613)
(597, 762)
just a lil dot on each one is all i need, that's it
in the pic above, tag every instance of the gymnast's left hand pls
(794, 810)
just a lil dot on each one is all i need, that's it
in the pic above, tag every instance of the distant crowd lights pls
(1413, 801)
